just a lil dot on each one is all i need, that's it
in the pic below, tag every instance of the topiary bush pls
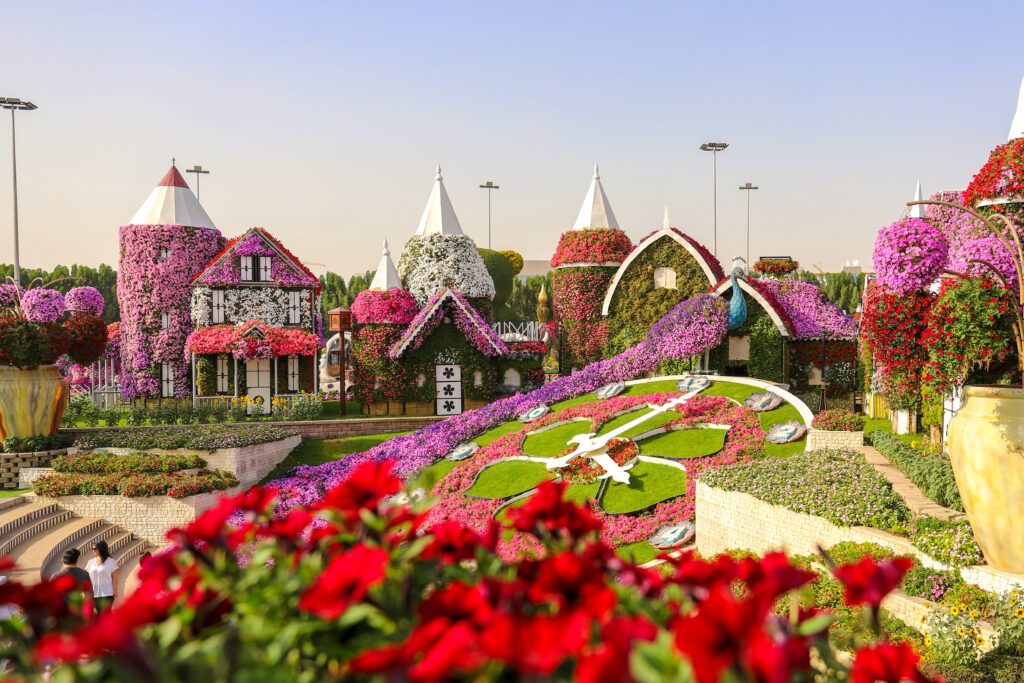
(502, 272)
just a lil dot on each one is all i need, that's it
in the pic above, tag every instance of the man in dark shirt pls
(70, 561)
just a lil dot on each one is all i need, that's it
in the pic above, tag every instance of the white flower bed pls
(269, 304)
(430, 262)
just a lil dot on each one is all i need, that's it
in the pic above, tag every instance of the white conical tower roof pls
(386, 276)
(596, 212)
(439, 215)
(172, 203)
(665, 225)
(1017, 127)
(917, 210)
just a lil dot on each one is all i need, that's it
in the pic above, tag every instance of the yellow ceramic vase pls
(986, 448)
(31, 401)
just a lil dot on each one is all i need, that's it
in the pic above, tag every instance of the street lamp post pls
(198, 170)
(14, 104)
(748, 187)
(489, 186)
(715, 148)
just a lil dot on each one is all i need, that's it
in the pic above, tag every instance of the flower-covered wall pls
(268, 304)
(157, 265)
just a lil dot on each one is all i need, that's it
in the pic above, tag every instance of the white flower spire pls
(439, 215)
(596, 212)
(386, 276)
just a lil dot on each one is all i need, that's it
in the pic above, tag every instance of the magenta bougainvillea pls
(150, 284)
(591, 247)
(42, 305)
(448, 302)
(805, 309)
(909, 255)
(377, 377)
(252, 339)
(85, 300)
(394, 306)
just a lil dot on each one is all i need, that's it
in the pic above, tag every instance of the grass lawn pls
(509, 478)
(685, 443)
(552, 442)
(645, 426)
(663, 386)
(11, 493)
(581, 493)
(781, 450)
(732, 390)
(783, 413)
(320, 451)
(648, 484)
(638, 552)
(501, 430)
(429, 476)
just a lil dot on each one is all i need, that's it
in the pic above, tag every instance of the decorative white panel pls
(448, 373)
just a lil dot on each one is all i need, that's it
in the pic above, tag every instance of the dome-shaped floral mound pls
(591, 247)
(1001, 179)
(85, 300)
(909, 255)
(43, 305)
(988, 249)
(432, 262)
(395, 306)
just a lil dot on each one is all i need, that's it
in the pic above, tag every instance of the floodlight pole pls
(489, 186)
(14, 104)
(198, 170)
(748, 187)
(715, 148)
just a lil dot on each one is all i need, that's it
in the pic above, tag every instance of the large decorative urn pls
(31, 401)
(986, 447)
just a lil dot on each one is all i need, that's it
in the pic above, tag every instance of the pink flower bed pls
(394, 306)
(591, 246)
(807, 310)
(275, 342)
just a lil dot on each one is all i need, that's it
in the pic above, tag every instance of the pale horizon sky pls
(323, 122)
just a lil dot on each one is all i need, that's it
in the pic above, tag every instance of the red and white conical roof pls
(172, 203)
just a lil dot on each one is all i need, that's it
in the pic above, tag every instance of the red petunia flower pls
(887, 662)
(547, 510)
(608, 662)
(344, 581)
(452, 542)
(869, 580)
(535, 644)
(363, 489)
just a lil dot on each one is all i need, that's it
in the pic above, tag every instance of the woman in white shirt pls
(103, 574)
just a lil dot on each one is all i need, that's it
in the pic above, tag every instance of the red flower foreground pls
(355, 587)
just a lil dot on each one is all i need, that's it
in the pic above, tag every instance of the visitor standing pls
(70, 567)
(103, 573)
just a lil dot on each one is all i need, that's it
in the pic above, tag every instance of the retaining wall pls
(819, 439)
(12, 463)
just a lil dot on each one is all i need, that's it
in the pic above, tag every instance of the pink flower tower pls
(167, 243)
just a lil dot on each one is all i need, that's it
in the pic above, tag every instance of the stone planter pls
(31, 401)
(818, 439)
(986, 449)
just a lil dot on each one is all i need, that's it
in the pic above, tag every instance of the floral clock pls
(610, 390)
(534, 413)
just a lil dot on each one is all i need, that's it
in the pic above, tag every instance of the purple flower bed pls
(43, 305)
(808, 311)
(692, 327)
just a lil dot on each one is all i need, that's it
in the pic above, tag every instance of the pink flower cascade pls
(239, 341)
(956, 226)
(395, 306)
(987, 248)
(147, 286)
(591, 247)
(909, 255)
(811, 315)
(86, 299)
(43, 305)
(465, 317)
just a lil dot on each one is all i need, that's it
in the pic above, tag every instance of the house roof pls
(172, 203)
(386, 276)
(596, 211)
(285, 255)
(481, 335)
(439, 214)
(707, 262)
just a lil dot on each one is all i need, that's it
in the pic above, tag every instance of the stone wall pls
(818, 439)
(27, 475)
(11, 464)
(729, 520)
(148, 518)
(318, 429)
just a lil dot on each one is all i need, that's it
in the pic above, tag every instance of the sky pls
(323, 122)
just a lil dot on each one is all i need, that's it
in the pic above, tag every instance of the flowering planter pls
(31, 401)
(986, 448)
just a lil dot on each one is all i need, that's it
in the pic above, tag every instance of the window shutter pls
(293, 308)
(167, 376)
(264, 269)
(165, 320)
(247, 268)
(218, 306)
(222, 374)
(293, 373)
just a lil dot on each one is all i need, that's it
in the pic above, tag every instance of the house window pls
(247, 268)
(165, 253)
(264, 272)
(293, 307)
(478, 378)
(222, 374)
(165, 320)
(664, 278)
(512, 378)
(167, 380)
(218, 306)
(293, 373)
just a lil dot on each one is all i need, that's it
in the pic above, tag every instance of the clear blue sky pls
(324, 121)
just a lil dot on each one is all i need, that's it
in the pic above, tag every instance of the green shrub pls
(305, 407)
(195, 438)
(173, 484)
(13, 444)
(933, 474)
(929, 584)
(133, 463)
(949, 542)
(837, 485)
(848, 552)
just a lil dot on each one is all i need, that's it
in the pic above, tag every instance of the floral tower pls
(168, 241)
(585, 262)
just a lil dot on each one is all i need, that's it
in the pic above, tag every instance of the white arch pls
(640, 248)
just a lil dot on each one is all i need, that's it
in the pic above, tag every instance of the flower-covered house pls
(256, 311)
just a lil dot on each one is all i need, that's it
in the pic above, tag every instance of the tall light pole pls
(748, 187)
(715, 147)
(14, 104)
(489, 186)
(198, 170)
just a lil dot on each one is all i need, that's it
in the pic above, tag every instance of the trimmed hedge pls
(34, 444)
(173, 484)
(133, 463)
(932, 474)
(191, 437)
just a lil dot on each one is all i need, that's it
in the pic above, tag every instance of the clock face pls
(463, 451)
(534, 413)
(610, 390)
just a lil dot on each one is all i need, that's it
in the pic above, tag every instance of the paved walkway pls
(918, 503)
